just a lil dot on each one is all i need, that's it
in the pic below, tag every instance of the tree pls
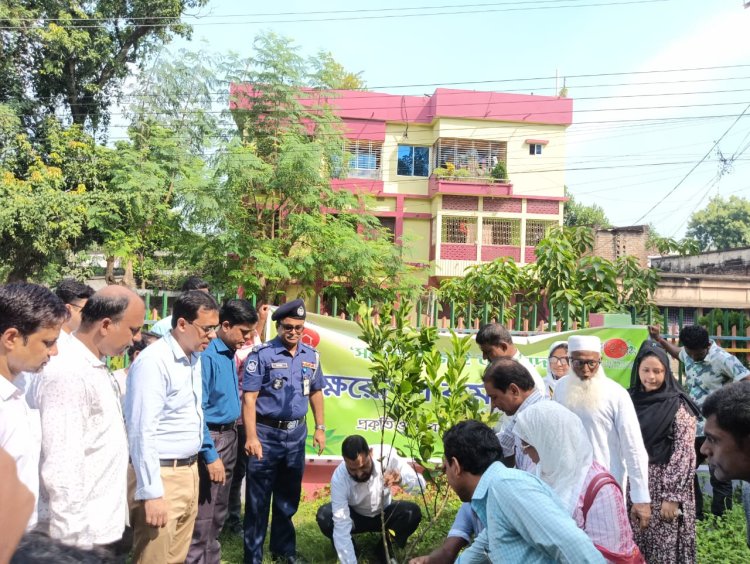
(723, 224)
(578, 215)
(73, 56)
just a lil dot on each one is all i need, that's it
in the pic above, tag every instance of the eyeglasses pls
(289, 328)
(206, 330)
(592, 364)
(559, 360)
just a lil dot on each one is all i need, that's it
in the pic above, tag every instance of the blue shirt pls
(279, 378)
(466, 525)
(162, 327)
(162, 411)
(221, 401)
(525, 522)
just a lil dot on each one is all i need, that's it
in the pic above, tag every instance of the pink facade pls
(464, 203)
(543, 206)
(458, 251)
(491, 252)
(507, 205)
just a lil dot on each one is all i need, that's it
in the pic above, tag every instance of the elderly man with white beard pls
(608, 415)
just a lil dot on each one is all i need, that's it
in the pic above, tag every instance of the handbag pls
(599, 481)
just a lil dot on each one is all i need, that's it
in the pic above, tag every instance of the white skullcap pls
(584, 343)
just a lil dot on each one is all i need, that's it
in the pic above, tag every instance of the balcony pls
(466, 185)
(360, 180)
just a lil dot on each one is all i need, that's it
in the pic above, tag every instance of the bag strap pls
(596, 484)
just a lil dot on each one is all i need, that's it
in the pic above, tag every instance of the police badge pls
(277, 383)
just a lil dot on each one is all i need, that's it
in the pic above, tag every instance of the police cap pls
(294, 309)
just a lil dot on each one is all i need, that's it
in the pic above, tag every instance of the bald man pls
(83, 470)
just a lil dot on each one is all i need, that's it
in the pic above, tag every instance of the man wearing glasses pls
(165, 430)
(281, 378)
(608, 415)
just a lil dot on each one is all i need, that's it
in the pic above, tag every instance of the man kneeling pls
(361, 492)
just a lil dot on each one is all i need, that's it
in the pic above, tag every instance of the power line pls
(235, 21)
(694, 167)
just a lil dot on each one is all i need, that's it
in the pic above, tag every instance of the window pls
(413, 161)
(389, 224)
(364, 158)
(476, 156)
(536, 230)
(501, 232)
(535, 148)
(459, 230)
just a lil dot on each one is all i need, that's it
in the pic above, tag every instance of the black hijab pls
(657, 410)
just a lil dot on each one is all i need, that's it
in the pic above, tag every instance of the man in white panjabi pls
(608, 415)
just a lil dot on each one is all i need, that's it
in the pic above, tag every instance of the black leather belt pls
(220, 428)
(174, 462)
(278, 424)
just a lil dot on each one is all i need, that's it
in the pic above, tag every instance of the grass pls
(721, 540)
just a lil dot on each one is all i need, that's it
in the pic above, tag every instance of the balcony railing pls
(467, 185)
(369, 173)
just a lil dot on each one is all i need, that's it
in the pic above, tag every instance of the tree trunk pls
(109, 273)
(128, 279)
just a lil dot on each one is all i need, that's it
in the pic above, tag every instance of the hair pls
(473, 444)
(194, 283)
(136, 347)
(188, 304)
(38, 548)
(238, 311)
(100, 307)
(560, 346)
(731, 406)
(694, 337)
(493, 334)
(29, 307)
(353, 446)
(505, 371)
(70, 290)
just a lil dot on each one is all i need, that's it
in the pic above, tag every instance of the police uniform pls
(284, 384)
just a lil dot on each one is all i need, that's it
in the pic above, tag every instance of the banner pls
(350, 408)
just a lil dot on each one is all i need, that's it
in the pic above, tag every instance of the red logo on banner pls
(310, 337)
(615, 348)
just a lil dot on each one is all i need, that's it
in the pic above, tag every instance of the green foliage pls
(723, 224)
(581, 215)
(669, 246)
(65, 56)
(405, 366)
(715, 318)
(722, 539)
(500, 171)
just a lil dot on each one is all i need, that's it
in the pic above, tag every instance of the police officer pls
(281, 377)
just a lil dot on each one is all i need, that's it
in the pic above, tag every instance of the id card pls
(306, 387)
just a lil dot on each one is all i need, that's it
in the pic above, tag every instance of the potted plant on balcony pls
(500, 172)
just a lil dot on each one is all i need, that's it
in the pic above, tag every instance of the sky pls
(659, 86)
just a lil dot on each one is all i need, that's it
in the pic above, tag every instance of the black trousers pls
(401, 517)
(722, 499)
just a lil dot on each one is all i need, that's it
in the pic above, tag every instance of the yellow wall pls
(416, 239)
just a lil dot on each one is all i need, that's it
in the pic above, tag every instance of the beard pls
(585, 395)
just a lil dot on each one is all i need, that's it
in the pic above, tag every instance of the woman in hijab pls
(554, 438)
(558, 365)
(667, 417)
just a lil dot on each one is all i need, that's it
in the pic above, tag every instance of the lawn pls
(720, 541)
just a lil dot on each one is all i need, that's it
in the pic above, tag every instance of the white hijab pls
(565, 452)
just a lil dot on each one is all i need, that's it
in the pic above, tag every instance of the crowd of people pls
(149, 461)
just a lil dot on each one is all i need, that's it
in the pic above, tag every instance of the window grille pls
(536, 231)
(477, 156)
(459, 230)
(501, 232)
(364, 158)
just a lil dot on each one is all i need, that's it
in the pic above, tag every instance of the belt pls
(174, 462)
(222, 427)
(277, 424)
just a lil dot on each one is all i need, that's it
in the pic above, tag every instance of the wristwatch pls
(320, 427)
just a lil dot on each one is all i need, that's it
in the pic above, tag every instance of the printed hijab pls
(657, 410)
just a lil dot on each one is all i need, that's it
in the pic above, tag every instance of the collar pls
(486, 480)
(80, 350)
(221, 347)
(532, 398)
(8, 389)
(278, 346)
(177, 351)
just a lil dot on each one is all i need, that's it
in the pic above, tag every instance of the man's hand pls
(391, 478)
(254, 448)
(216, 471)
(641, 512)
(420, 560)
(319, 440)
(17, 503)
(157, 512)
(654, 332)
(669, 511)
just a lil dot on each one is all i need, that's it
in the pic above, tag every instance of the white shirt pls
(538, 381)
(20, 437)
(83, 471)
(615, 436)
(366, 498)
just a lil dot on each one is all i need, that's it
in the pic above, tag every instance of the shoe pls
(234, 526)
(292, 559)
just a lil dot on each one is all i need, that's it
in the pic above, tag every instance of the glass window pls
(413, 160)
(364, 159)
(535, 148)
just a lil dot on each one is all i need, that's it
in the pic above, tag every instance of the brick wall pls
(543, 206)
(463, 203)
(491, 252)
(621, 241)
(508, 205)
(457, 251)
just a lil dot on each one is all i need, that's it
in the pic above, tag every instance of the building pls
(612, 243)
(431, 165)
